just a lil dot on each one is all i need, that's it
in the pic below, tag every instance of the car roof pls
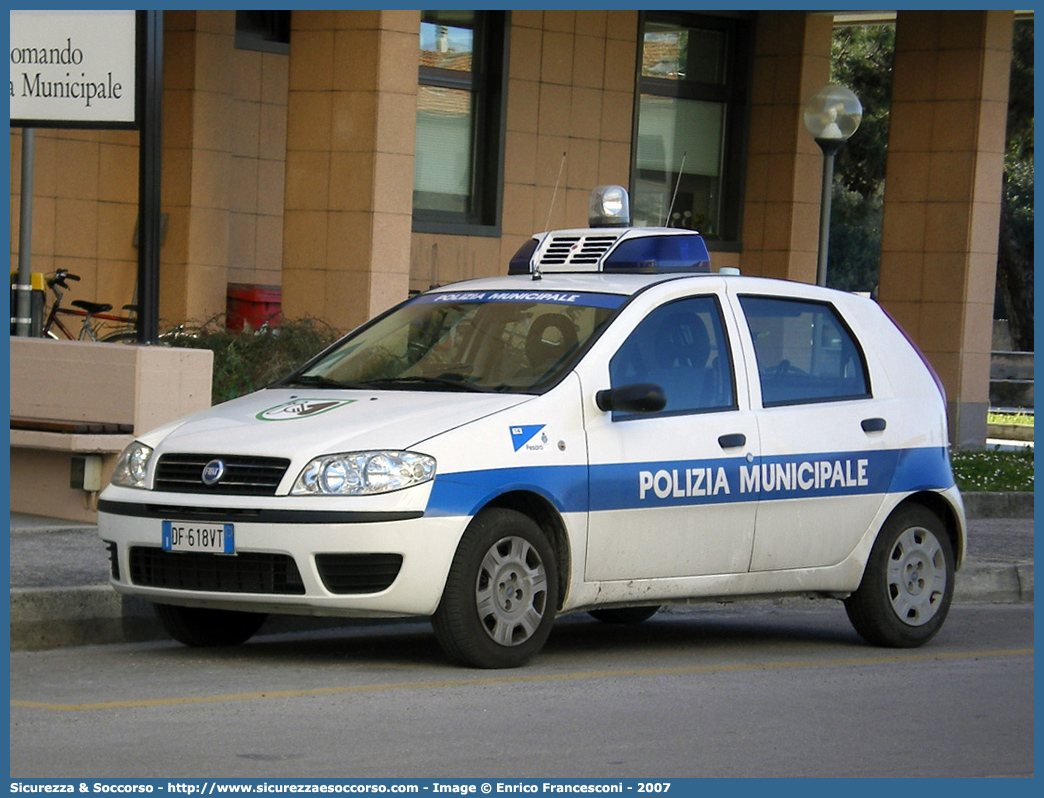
(630, 284)
(624, 284)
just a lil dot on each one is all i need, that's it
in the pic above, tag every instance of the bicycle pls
(90, 312)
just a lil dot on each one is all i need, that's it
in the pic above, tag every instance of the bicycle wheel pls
(120, 337)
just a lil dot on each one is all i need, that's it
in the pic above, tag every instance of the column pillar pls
(942, 197)
(349, 164)
(197, 163)
(784, 166)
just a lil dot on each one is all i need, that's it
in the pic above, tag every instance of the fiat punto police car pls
(609, 428)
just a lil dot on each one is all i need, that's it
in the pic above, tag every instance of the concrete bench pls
(76, 404)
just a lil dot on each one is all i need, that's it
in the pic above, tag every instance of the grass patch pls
(993, 470)
(248, 361)
(1019, 419)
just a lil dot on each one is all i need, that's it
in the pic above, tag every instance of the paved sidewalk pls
(60, 594)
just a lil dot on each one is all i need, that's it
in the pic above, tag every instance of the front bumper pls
(295, 564)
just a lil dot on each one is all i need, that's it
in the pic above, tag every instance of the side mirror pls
(642, 397)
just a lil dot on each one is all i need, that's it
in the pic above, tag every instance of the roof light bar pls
(620, 250)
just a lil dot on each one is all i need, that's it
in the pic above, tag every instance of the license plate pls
(213, 538)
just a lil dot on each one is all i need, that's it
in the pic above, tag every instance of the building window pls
(692, 113)
(267, 31)
(460, 130)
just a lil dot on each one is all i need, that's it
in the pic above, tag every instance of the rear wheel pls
(907, 586)
(501, 595)
(624, 614)
(198, 627)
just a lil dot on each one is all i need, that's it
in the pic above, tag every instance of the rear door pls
(826, 458)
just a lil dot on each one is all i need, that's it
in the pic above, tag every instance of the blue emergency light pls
(610, 245)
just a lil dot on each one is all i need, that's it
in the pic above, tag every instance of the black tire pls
(501, 595)
(627, 615)
(197, 627)
(907, 587)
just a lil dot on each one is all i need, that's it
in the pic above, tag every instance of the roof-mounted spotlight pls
(609, 207)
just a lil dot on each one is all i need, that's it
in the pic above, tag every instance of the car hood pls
(285, 422)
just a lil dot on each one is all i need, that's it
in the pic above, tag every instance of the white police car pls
(609, 428)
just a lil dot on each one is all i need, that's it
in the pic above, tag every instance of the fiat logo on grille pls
(212, 472)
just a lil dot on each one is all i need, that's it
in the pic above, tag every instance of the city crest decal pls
(522, 435)
(301, 408)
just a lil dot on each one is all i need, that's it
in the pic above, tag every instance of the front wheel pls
(907, 586)
(501, 595)
(198, 627)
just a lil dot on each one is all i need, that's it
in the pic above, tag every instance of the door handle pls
(732, 441)
(873, 424)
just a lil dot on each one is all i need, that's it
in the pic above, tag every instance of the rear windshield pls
(506, 341)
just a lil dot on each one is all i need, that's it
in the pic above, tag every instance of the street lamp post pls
(831, 116)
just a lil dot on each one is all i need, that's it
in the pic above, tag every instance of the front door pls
(665, 499)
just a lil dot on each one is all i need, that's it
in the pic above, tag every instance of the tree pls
(1015, 245)
(862, 58)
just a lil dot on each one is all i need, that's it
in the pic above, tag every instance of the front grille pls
(358, 573)
(244, 476)
(247, 572)
(576, 249)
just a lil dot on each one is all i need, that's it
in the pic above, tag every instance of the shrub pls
(249, 360)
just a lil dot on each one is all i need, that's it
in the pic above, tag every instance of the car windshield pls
(508, 341)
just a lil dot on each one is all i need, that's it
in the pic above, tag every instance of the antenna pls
(674, 196)
(561, 165)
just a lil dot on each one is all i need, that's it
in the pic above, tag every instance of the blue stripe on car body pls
(628, 486)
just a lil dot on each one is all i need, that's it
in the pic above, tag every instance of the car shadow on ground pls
(577, 637)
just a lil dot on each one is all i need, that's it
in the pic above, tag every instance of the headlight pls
(363, 473)
(132, 465)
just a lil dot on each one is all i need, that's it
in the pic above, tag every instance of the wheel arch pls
(550, 521)
(940, 507)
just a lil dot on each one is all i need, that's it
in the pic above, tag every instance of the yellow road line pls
(517, 679)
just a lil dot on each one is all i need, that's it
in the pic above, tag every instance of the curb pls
(56, 617)
(61, 617)
(998, 505)
(995, 583)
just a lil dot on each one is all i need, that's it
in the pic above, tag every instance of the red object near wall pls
(251, 306)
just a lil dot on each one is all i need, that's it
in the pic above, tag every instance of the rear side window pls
(680, 347)
(805, 352)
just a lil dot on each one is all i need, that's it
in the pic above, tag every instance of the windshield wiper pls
(429, 383)
(317, 381)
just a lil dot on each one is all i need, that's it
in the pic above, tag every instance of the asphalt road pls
(742, 690)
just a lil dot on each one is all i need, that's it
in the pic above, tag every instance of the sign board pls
(74, 69)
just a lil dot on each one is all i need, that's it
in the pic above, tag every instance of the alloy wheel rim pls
(916, 576)
(511, 591)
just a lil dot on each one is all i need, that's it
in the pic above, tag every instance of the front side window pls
(459, 107)
(691, 114)
(680, 347)
(805, 352)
